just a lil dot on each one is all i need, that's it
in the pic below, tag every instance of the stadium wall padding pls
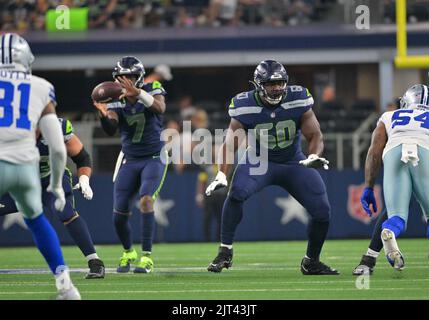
(262, 220)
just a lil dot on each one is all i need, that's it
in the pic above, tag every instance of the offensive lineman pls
(400, 141)
(283, 112)
(28, 101)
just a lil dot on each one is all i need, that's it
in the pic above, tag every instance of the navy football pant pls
(304, 184)
(144, 177)
(75, 224)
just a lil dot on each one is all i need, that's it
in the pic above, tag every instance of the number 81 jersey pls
(406, 126)
(281, 123)
(23, 97)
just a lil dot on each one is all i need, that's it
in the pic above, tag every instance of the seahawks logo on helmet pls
(268, 71)
(129, 65)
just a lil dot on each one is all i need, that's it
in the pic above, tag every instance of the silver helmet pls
(15, 52)
(416, 95)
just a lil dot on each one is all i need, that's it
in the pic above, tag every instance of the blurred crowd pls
(119, 14)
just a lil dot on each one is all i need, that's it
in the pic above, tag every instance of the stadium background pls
(212, 54)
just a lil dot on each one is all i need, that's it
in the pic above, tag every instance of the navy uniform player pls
(284, 112)
(74, 223)
(142, 169)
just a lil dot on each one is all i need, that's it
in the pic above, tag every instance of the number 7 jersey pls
(23, 97)
(406, 126)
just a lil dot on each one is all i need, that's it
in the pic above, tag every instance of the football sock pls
(395, 224)
(92, 257)
(78, 230)
(427, 230)
(231, 217)
(147, 227)
(376, 244)
(46, 241)
(316, 231)
(123, 229)
(373, 253)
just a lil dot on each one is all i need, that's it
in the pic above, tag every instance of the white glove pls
(60, 201)
(84, 186)
(314, 161)
(219, 182)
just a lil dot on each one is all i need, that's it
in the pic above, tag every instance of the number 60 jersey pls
(406, 126)
(23, 97)
(281, 123)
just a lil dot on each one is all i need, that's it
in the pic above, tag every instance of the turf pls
(261, 270)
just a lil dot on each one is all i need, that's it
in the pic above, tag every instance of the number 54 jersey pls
(410, 126)
(23, 97)
(281, 123)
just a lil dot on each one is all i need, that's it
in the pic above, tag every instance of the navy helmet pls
(129, 65)
(269, 71)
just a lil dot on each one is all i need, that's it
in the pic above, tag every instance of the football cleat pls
(69, 294)
(316, 267)
(96, 269)
(393, 254)
(145, 265)
(222, 260)
(127, 258)
(366, 266)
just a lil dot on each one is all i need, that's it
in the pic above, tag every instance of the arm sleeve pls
(52, 133)
(109, 125)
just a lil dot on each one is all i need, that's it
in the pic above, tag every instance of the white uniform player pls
(406, 165)
(27, 101)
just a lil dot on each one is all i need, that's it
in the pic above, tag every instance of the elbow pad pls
(82, 159)
(109, 125)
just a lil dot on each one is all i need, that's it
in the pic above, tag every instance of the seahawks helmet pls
(417, 95)
(268, 71)
(15, 53)
(129, 65)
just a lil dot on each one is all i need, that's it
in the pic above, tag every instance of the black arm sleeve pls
(82, 159)
(109, 125)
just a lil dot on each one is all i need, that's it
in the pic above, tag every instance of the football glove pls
(84, 187)
(60, 201)
(314, 161)
(219, 182)
(367, 199)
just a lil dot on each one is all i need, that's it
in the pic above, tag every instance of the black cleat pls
(316, 267)
(222, 260)
(366, 266)
(96, 269)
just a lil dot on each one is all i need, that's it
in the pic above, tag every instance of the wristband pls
(145, 98)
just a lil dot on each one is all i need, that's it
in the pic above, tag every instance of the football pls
(107, 91)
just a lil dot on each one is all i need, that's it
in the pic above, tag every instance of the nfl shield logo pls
(355, 207)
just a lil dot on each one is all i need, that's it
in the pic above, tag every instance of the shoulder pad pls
(243, 99)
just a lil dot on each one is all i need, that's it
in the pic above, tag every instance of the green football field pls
(261, 270)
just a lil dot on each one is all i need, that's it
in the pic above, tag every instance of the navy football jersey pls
(282, 122)
(139, 127)
(45, 169)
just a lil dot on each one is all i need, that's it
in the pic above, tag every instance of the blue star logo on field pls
(292, 209)
(14, 218)
(160, 208)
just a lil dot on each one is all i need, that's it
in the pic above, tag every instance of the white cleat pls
(393, 254)
(69, 294)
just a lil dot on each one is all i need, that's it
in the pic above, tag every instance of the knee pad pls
(321, 211)
(146, 204)
(238, 194)
(67, 216)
